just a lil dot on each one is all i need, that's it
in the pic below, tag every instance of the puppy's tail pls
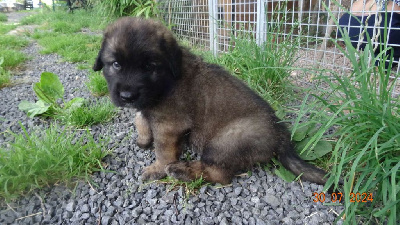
(294, 163)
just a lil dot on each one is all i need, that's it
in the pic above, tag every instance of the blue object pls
(354, 28)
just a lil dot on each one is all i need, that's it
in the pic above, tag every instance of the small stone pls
(271, 200)
(105, 220)
(70, 207)
(287, 220)
(169, 212)
(85, 208)
(255, 200)
(238, 190)
(85, 216)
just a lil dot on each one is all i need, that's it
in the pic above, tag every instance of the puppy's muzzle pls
(128, 97)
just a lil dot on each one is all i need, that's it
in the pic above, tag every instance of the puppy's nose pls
(127, 96)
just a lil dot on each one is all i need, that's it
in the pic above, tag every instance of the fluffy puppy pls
(180, 99)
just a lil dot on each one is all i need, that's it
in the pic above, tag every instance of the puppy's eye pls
(116, 65)
(150, 66)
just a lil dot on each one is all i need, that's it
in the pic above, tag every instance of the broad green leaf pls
(33, 109)
(283, 173)
(41, 95)
(49, 89)
(300, 133)
(321, 148)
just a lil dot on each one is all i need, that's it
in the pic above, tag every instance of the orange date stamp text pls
(337, 197)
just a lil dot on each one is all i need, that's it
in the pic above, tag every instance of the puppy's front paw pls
(144, 143)
(153, 172)
(179, 171)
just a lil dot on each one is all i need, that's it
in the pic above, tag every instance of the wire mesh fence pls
(311, 25)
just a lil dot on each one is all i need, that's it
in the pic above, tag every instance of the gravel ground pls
(121, 197)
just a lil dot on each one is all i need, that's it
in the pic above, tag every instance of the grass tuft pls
(3, 17)
(89, 113)
(365, 114)
(5, 28)
(97, 84)
(76, 47)
(64, 22)
(190, 188)
(5, 75)
(9, 46)
(12, 58)
(47, 157)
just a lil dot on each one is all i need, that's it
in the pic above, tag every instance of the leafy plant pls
(146, 8)
(282, 172)
(49, 90)
(309, 145)
(49, 156)
(115, 8)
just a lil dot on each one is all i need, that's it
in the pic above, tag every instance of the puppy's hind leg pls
(145, 136)
(192, 170)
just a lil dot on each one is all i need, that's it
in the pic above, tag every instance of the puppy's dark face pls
(141, 62)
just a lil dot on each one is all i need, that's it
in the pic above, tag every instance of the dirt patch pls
(21, 30)
(15, 17)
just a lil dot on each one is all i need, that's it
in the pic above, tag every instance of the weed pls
(49, 90)
(145, 8)
(115, 8)
(97, 84)
(45, 157)
(190, 188)
(89, 113)
(76, 112)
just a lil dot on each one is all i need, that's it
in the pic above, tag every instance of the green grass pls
(4, 75)
(73, 47)
(366, 118)
(60, 32)
(12, 58)
(3, 17)
(89, 113)
(64, 22)
(9, 50)
(14, 42)
(190, 188)
(97, 84)
(5, 28)
(10, 55)
(4, 78)
(46, 157)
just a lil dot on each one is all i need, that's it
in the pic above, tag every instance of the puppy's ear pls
(98, 64)
(174, 54)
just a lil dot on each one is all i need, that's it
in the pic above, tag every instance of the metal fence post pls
(212, 18)
(260, 26)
